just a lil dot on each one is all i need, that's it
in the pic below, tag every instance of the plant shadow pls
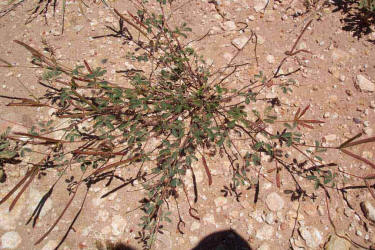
(358, 20)
(223, 240)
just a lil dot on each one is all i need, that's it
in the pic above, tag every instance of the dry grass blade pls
(6, 197)
(40, 137)
(113, 165)
(130, 23)
(369, 189)
(358, 157)
(108, 154)
(367, 140)
(8, 64)
(207, 170)
(14, 202)
(58, 219)
(350, 140)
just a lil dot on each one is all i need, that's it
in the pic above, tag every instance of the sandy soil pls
(325, 80)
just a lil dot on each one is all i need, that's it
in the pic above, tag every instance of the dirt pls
(326, 72)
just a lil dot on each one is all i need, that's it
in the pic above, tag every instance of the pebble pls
(264, 246)
(274, 202)
(230, 26)
(10, 240)
(270, 59)
(311, 235)
(78, 28)
(372, 104)
(368, 210)
(265, 232)
(339, 55)
(251, 18)
(51, 245)
(209, 218)
(368, 131)
(193, 240)
(364, 84)
(195, 226)
(220, 201)
(240, 42)
(337, 243)
(259, 5)
(118, 225)
(331, 137)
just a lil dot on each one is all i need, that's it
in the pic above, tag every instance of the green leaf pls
(7, 154)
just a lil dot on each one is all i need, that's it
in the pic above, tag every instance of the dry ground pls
(326, 81)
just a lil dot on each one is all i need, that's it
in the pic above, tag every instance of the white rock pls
(331, 137)
(368, 131)
(230, 25)
(265, 232)
(209, 218)
(193, 240)
(240, 42)
(270, 59)
(274, 202)
(261, 40)
(368, 210)
(220, 201)
(10, 240)
(259, 5)
(195, 226)
(311, 235)
(364, 84)
(51, 245)
(337, 243)
(78, 28)
(264, 246)
(270, 218)
(251, 18)
(118, 225)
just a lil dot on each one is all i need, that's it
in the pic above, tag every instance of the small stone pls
(51, 245)
(220, 201)
(259, 5)
(209, 218)
(264, 246)
(274, 202)
(311, 235)
(337, 243)
(368, 210)
(193, 240)
(356, 120)
(265, 232)
(368, 131)
(339, 55)
(118, 225)
(342, 78)
(331, 137)
(270, 59)
(284, 17)
(240, 42)
(260, 40)
(195, 226)
(364, 84)
(251, 18)
(326, 115)
(10, 240)
(349, 92)
(230, 26)
(372, 104)
(78, 28)
(270, 218)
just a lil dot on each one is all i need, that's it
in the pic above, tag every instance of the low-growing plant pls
(172, 112)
